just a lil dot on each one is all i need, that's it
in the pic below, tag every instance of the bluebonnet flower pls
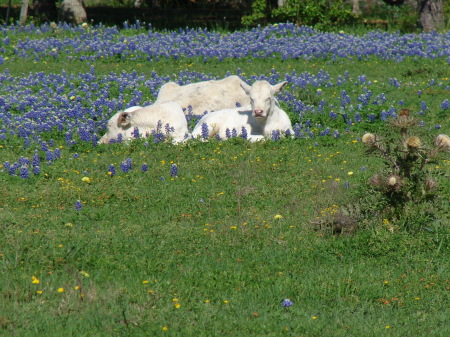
(36, 170)
(244, 133)
(205, 131)
(36, 160)
(276, 135)
(144, 167)
(76, 155)
(49, 157)
(23, 161)
(158, 137)
(44, 146)
(228, 133)
(437, 126)
(169, 129)
(345, 98)
(234, 133)
(78, 205)
(111, 170)
(362, 79)
(394, 82)
(445, 104)
(126, 165)
(24, 172)
(135, 132)
(13, 168)
(287, 303)
(84, 134)
(423, 105)
(174, 170)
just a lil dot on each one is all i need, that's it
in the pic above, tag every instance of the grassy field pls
(208, 239)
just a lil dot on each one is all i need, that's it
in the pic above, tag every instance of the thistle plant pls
(406, 188)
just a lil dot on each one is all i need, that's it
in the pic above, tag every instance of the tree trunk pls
(73, 11)
(431, 14)
(356, 10)
(23, 12)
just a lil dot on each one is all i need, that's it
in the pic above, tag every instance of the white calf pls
(168, 116)
(205, 96)
(260, 119)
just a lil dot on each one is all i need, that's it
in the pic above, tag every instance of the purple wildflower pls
(144, 167)
(78, 205)
(286, 303)
(135, 132)
(205, 131)
(126, 165)
(276, 135)
(112, 170)
(244, 133)
(174, 170)
(24, 174)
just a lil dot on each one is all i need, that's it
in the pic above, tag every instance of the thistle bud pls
(392, 181)
(413, 142)
(442, 141)
(375, 180)
(368, 139)
(404, 112)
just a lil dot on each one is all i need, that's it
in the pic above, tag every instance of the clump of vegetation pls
(316, 13)
(406, 191)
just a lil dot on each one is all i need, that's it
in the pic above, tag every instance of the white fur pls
(205, 96)
(260, 118)
(146, 120)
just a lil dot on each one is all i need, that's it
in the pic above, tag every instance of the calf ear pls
(278, 87)
(124, 118)
(246, 87)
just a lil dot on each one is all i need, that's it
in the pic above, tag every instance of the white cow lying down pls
(260, 118)
(146, 120)
(205, 96)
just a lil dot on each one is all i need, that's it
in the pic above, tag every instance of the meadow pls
(218, 238)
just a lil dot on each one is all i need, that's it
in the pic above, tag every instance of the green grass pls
(211, 239)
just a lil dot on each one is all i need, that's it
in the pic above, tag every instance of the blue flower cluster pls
(284, 40)
(45, 111)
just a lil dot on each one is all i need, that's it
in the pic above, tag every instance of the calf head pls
(262, 97)
(119, 123)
